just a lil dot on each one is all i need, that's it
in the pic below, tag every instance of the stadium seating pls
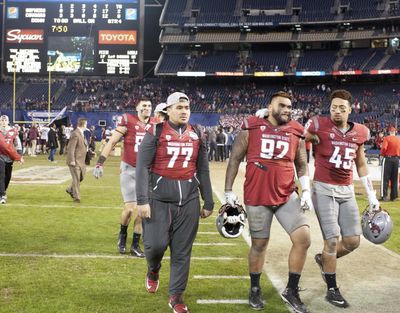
(317, 61)
(393, 62)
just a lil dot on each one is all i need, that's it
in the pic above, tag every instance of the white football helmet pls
(231, 220)
(376, 225)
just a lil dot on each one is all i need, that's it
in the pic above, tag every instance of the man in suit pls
(77, 148)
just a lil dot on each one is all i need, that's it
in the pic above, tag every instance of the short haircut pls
(81, 122)
(282, 94)
(142, 98)
(342, 94)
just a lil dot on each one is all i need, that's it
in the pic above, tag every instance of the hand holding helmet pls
(231, 220)
(376, 225)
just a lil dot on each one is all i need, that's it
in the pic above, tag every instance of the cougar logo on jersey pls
(332, 135)
(168, 137)
(193, 135)
(262, 128)
(136, 127)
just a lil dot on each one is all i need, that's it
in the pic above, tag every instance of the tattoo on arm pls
(301, 160)
(239, 150)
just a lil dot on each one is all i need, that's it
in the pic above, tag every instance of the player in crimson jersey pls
(10, 135)
(338, 144)
(172, 167)
(132, 128)
(273, 147)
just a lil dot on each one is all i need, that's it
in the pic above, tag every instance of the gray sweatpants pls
(176, 227)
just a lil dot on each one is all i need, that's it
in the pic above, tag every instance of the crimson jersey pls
(10, 134)
(135, 131)
(176, 154)
(336, 151)
(8, 149)
(271, 152)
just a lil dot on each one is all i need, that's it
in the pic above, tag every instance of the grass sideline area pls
(89, 275)
(42, 220)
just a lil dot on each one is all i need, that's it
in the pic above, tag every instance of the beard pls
(279, 119)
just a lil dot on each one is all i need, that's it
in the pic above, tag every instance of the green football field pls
(58, 256)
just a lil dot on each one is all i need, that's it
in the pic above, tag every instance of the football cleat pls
(122, 243)
(177, 305)
(137, 251)
(292, 298)
(318, 260)
(334, 297)
(152, 281)
(255, 299)
(3, 200)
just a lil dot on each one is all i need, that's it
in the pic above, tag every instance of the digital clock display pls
(80, 37)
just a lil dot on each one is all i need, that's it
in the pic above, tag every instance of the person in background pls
(52, 143)
(77, 148)
(33, 137)
(390, 152)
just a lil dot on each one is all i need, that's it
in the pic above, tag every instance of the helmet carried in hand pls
(376, 225)
(231, 220)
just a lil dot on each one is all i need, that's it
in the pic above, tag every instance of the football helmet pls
(376, 225)
(231, 220)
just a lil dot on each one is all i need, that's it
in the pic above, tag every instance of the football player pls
(172, 168)
(160, 112)
(132, 128)
(273, 147)
(338, 143)
(11, 137)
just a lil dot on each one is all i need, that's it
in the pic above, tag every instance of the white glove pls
(261, 113)
(373, 202)
(231, 198)
(305, 201)
(98, 171)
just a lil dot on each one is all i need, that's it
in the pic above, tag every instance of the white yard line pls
(103, 256)
(83, 206)
(219, 277)
(223, 301)
(214, 244)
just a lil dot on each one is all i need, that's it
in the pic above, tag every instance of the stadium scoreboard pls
(71, 37)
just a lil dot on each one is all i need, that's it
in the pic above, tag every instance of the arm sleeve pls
(203, 174)
(145, 157)
(9, 151)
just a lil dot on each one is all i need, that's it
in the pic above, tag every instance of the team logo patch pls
(332, 135)
(168, 137)
(262, 128)
(193, 135)
(136, 127)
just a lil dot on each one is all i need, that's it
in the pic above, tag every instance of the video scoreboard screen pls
(74, 37)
